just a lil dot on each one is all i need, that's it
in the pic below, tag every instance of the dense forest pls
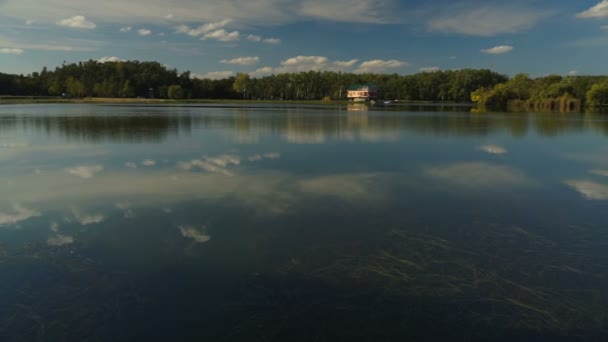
(153, 80)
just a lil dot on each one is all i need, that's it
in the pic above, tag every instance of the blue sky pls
(216, 39)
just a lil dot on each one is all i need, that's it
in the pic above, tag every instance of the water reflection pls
(297, 125)
(457, 222)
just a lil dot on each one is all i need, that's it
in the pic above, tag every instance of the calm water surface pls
(277, 223)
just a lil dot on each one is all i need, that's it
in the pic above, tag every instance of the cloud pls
(258, 157)
(477, 175)
(429, 69)
(604, 27)
(87, 219)
(13, 51)
(346, 64)
(589, 190)
(53, 45)
(242, 61)
(126, 208)
(485, 21)
(246, 13)
(347, 186)
(599, 172)
(493, 149)
(353, 11)
(378, 66)
(148, 162)
(192, 233)
(304, 63)
(126, 29)
(19, 214)
(272, 41)
(217, 164)
(205, 28)
(254, 38)
(598, 11)
(222, 35)
(214, 75)
(30, 22)
(131, 165)
(107, 59)
(144, 32)
(60, 240)
(262, 71)
(572, 72)
(85, 171)
(77, 21)
(498, 50)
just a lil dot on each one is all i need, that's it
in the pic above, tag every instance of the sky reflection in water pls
(242, 216)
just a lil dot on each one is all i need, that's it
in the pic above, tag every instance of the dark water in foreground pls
(301, 224)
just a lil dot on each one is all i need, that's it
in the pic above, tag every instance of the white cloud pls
(346, 64)
(485, 21)
(86, 219)
(272, 41)
(429, 69)
(304, 63)
(262, 71)
(254, 38)
(19, 214)
(378, 66)
(477, 175)
(272, 155)
(346, 186)
(110, 59)
(598, 11)
(144, 32)
(498, 50)
(222, 35)
(214, 75)
(493, 149)
(13, 51)
(242, 61)
(85, 171)
(246, 13)
(224, 160)
(361, 11)
(29, 22)
(604, 27)
(589, 190)
(258, 157)
(60, 240)
(217, 164)
(192, 233)
(131, 165)
(52, 45)
(572, 72)
(148, 162)
(77, 21)
(126, 29)
(599, 172)
(203, 29)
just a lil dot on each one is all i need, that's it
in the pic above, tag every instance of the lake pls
(301, 223)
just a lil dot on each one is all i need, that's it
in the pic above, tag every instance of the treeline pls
(154, 80)
(550, 92)
(115, 79)
(151, 79)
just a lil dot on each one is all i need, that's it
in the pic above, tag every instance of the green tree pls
(598, 94)
(241, 84)
(175, 92)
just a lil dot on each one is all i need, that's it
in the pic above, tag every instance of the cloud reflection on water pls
(477, 174)
(589, 189)
(19, 214)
